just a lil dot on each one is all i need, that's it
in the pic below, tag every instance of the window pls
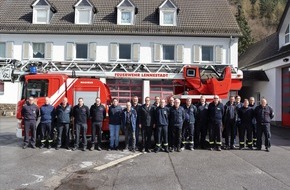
(287, 35)
(38, 50)
(207, 53)
(84, 12)
(42, 12)
(126, 17)
(126, 12)
(2, 50)
(81, 51)
(35, 88)
(125, 51)
(168, 13)
(168, 52)
(1, 87)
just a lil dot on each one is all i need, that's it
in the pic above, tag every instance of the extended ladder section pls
(11, 69)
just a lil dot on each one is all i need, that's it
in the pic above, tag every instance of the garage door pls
(162, 88)
(125, 89)
(286, 97)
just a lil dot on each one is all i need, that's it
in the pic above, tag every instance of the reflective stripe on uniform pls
(42, 141)
(242, 142)
(218, 142)
(250, 142)
(184, 142)
(254, 139)
(211, 142)
(190, 142)
(50, 141)
(165, 144)
(158, 145)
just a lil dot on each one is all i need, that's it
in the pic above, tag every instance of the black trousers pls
(200, 132)
(215, 134)
(188, 134)
(96, 130)
(46, 133)
(81, 128)
(177, 136)
(29, 125)
(146, 132)
(170, 136)
(137, 133)
(162, 135)
(254, 129)
(230, 132)
(246, 127)
(63, 131)
(130, 136)
(263, 129)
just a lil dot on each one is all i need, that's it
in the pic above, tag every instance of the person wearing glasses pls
(216, 112)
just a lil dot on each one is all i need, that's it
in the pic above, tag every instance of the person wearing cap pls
(215, 111)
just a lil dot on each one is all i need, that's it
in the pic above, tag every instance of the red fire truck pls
(76, 79)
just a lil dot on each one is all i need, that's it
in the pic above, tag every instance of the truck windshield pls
(36, 88)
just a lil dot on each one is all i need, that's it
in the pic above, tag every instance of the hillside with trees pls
(257, 19)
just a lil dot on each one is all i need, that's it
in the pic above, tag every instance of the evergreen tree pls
(267, 7)
(246, 40)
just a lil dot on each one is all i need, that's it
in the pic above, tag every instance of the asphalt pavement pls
(198, 169)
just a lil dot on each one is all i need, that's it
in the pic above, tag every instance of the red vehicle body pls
(58, 86)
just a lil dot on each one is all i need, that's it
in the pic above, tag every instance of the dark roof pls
(195, 18)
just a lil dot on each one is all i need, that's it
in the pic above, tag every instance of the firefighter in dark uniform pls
(170, 128)
(63, 117)
(156, 104)
(30, 113)
(81, 114)
(136, 106)
(146, 122)
(230, 118)
(246, 115)
(215, 111)
(201, 127)
(264, 114)
(238, 122)
(252, 105)
(176, 120)
(128, 122)
(188, 124)
(47, 115)
(97, 114)
(161, 122)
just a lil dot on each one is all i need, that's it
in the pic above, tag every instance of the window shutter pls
(136, 52)
(157, 49)
(93, 51)
(26, 50)
(9, 49)
(196, 53)
(69, 50)
(179, 53)
(113, 51)
(218, 54)
(48, 50)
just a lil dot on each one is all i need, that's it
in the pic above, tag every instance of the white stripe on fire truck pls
(61, 91)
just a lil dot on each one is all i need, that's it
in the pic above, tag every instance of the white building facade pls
(122, 31)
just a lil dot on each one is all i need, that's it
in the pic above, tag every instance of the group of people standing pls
(174, 126)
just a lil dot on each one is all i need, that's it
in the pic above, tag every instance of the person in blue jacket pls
(161, 122)
(128, 122)
(47, 115)
(215, 111)
(114, 124)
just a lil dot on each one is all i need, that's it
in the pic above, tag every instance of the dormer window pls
(84, 11)
(126, 11)
(42, 12)
(168, 13)
(287, 35)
